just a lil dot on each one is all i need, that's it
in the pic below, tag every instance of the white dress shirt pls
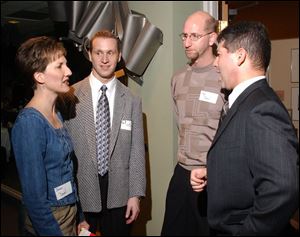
(96, 93)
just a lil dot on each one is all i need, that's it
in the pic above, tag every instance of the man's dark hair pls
(251, 36)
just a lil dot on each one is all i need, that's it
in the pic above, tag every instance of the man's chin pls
(107, 76)
(191, 58)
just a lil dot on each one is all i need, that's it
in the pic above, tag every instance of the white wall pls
(156, 98)
(280, 70)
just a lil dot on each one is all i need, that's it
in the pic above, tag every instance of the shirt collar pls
(241, 87)
(96, 84)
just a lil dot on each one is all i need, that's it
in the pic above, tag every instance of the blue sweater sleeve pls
(30, 146)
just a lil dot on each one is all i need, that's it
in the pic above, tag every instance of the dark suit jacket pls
(252, 166)
(127, 151)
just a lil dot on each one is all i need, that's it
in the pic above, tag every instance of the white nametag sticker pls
(63, 190)
(126, 125)
(209, 97)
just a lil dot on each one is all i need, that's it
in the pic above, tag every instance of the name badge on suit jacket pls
(209, 97)
(126, 125)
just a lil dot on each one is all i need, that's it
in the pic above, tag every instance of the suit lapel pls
(118, 113)
(225, 122)
(88, 118)
(233, 110)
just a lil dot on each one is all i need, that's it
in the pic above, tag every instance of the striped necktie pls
(224, 111)
(102, 132)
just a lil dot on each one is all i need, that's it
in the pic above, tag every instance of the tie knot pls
(103, 88)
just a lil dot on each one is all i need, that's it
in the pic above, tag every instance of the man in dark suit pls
(252, 180)
(110, 199)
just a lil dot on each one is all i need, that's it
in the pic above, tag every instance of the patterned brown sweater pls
(198, 103)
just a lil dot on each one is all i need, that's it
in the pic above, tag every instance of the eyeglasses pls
(192, 36)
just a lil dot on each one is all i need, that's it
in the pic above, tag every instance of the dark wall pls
(14, 87)
(280, 17)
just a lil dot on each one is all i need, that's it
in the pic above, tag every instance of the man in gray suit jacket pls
(252, 174)
(110, 200)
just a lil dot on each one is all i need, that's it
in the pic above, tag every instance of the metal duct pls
(140, 39)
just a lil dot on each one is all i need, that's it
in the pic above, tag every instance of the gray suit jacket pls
(252, 166)
(127, 151)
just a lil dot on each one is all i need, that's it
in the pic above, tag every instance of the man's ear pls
(240, 55)
(90, 56)
(120, 55)
(213, 38)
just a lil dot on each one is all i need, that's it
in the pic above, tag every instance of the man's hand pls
(198, 179)
(133, 209)
(81, 225)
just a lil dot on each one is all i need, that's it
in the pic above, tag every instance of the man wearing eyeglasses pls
(198, 101)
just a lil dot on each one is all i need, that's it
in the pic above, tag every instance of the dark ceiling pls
(21, 19)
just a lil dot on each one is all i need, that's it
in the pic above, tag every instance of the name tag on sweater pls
(209, 97)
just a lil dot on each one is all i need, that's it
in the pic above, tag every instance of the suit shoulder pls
(262, 93)
(128, 93)
(66, 103)
(80, 84)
